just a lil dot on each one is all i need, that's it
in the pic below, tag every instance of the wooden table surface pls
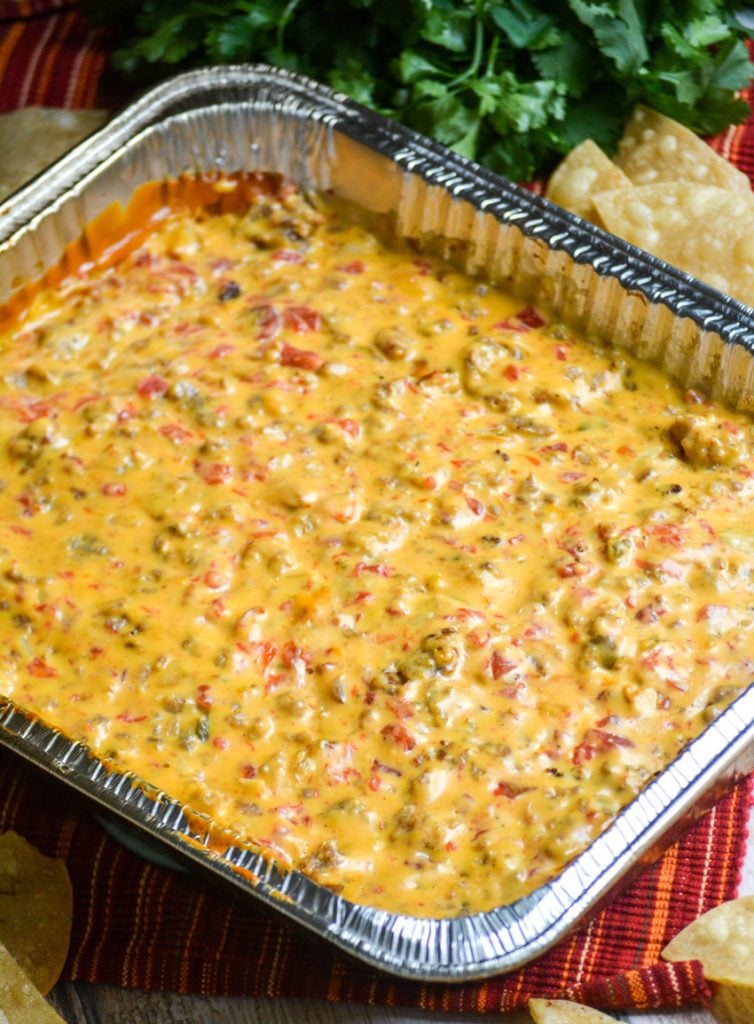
(104, 1004)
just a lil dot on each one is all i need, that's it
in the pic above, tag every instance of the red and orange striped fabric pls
(140, 926)
(49, 56)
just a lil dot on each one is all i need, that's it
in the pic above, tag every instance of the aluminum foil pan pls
(257, 118)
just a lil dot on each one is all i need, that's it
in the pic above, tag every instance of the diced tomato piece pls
(469, 614)
(476, 506)
(350, 427)
(84, 400)
(215, 580)
(204, 698)
(114, 490)
(499, 665)
(670, 534)
(39, 668)
(175, 432)
(185, 328)
(378, 569)
(128, 412)
(216, 473)
(511, 372)
(524, 320)
(400, 708)
(220, 350)
(598, 741)
(651, 612)
(531, 317)
(128, 717)
(301, 319)
(265, 651)
(292, 653)
(287, 256)
(510, 790)
(301, 358)
(143, 258)
(268, 322)
(396, 732)
(27, 411)
(569, 570)
(354, 267)
(152, 387)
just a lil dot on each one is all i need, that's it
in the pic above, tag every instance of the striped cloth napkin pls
(49, 56)
(142, 926)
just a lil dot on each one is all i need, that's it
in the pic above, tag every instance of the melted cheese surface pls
(395, 577)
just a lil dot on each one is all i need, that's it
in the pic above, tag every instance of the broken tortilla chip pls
(20, 1001)
(562, 1011)
(585, 171)
(704, 230)
(723, 940)
(655, 148)
(36, 910)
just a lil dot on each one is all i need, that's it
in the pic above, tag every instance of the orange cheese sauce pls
(379, 567)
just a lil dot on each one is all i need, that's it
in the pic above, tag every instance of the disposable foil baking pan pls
(258, 118)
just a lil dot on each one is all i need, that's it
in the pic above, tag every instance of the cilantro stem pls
(476, 59)
(492, 57)
(285, 17)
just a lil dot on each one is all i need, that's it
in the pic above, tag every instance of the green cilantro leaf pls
(511, 83)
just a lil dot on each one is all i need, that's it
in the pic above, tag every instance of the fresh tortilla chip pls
(36, 910)
(704, 230)
(585, 171)
(561, 1011)
(723, 940)
(20, 1002)
(34, 137)
(654, 148)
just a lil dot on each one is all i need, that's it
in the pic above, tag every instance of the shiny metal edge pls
(260, 118)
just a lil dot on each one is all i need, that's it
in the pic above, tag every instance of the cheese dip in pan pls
(372, 563)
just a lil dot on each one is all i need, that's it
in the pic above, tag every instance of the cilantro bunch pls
(510, 83)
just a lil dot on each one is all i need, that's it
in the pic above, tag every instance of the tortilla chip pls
(20, 1002)
(583, 172)
(733, 1004)
(561, 1011)
(36, 910)
(34, 137)
(723, 940)
(704, 230)
(655, 148)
